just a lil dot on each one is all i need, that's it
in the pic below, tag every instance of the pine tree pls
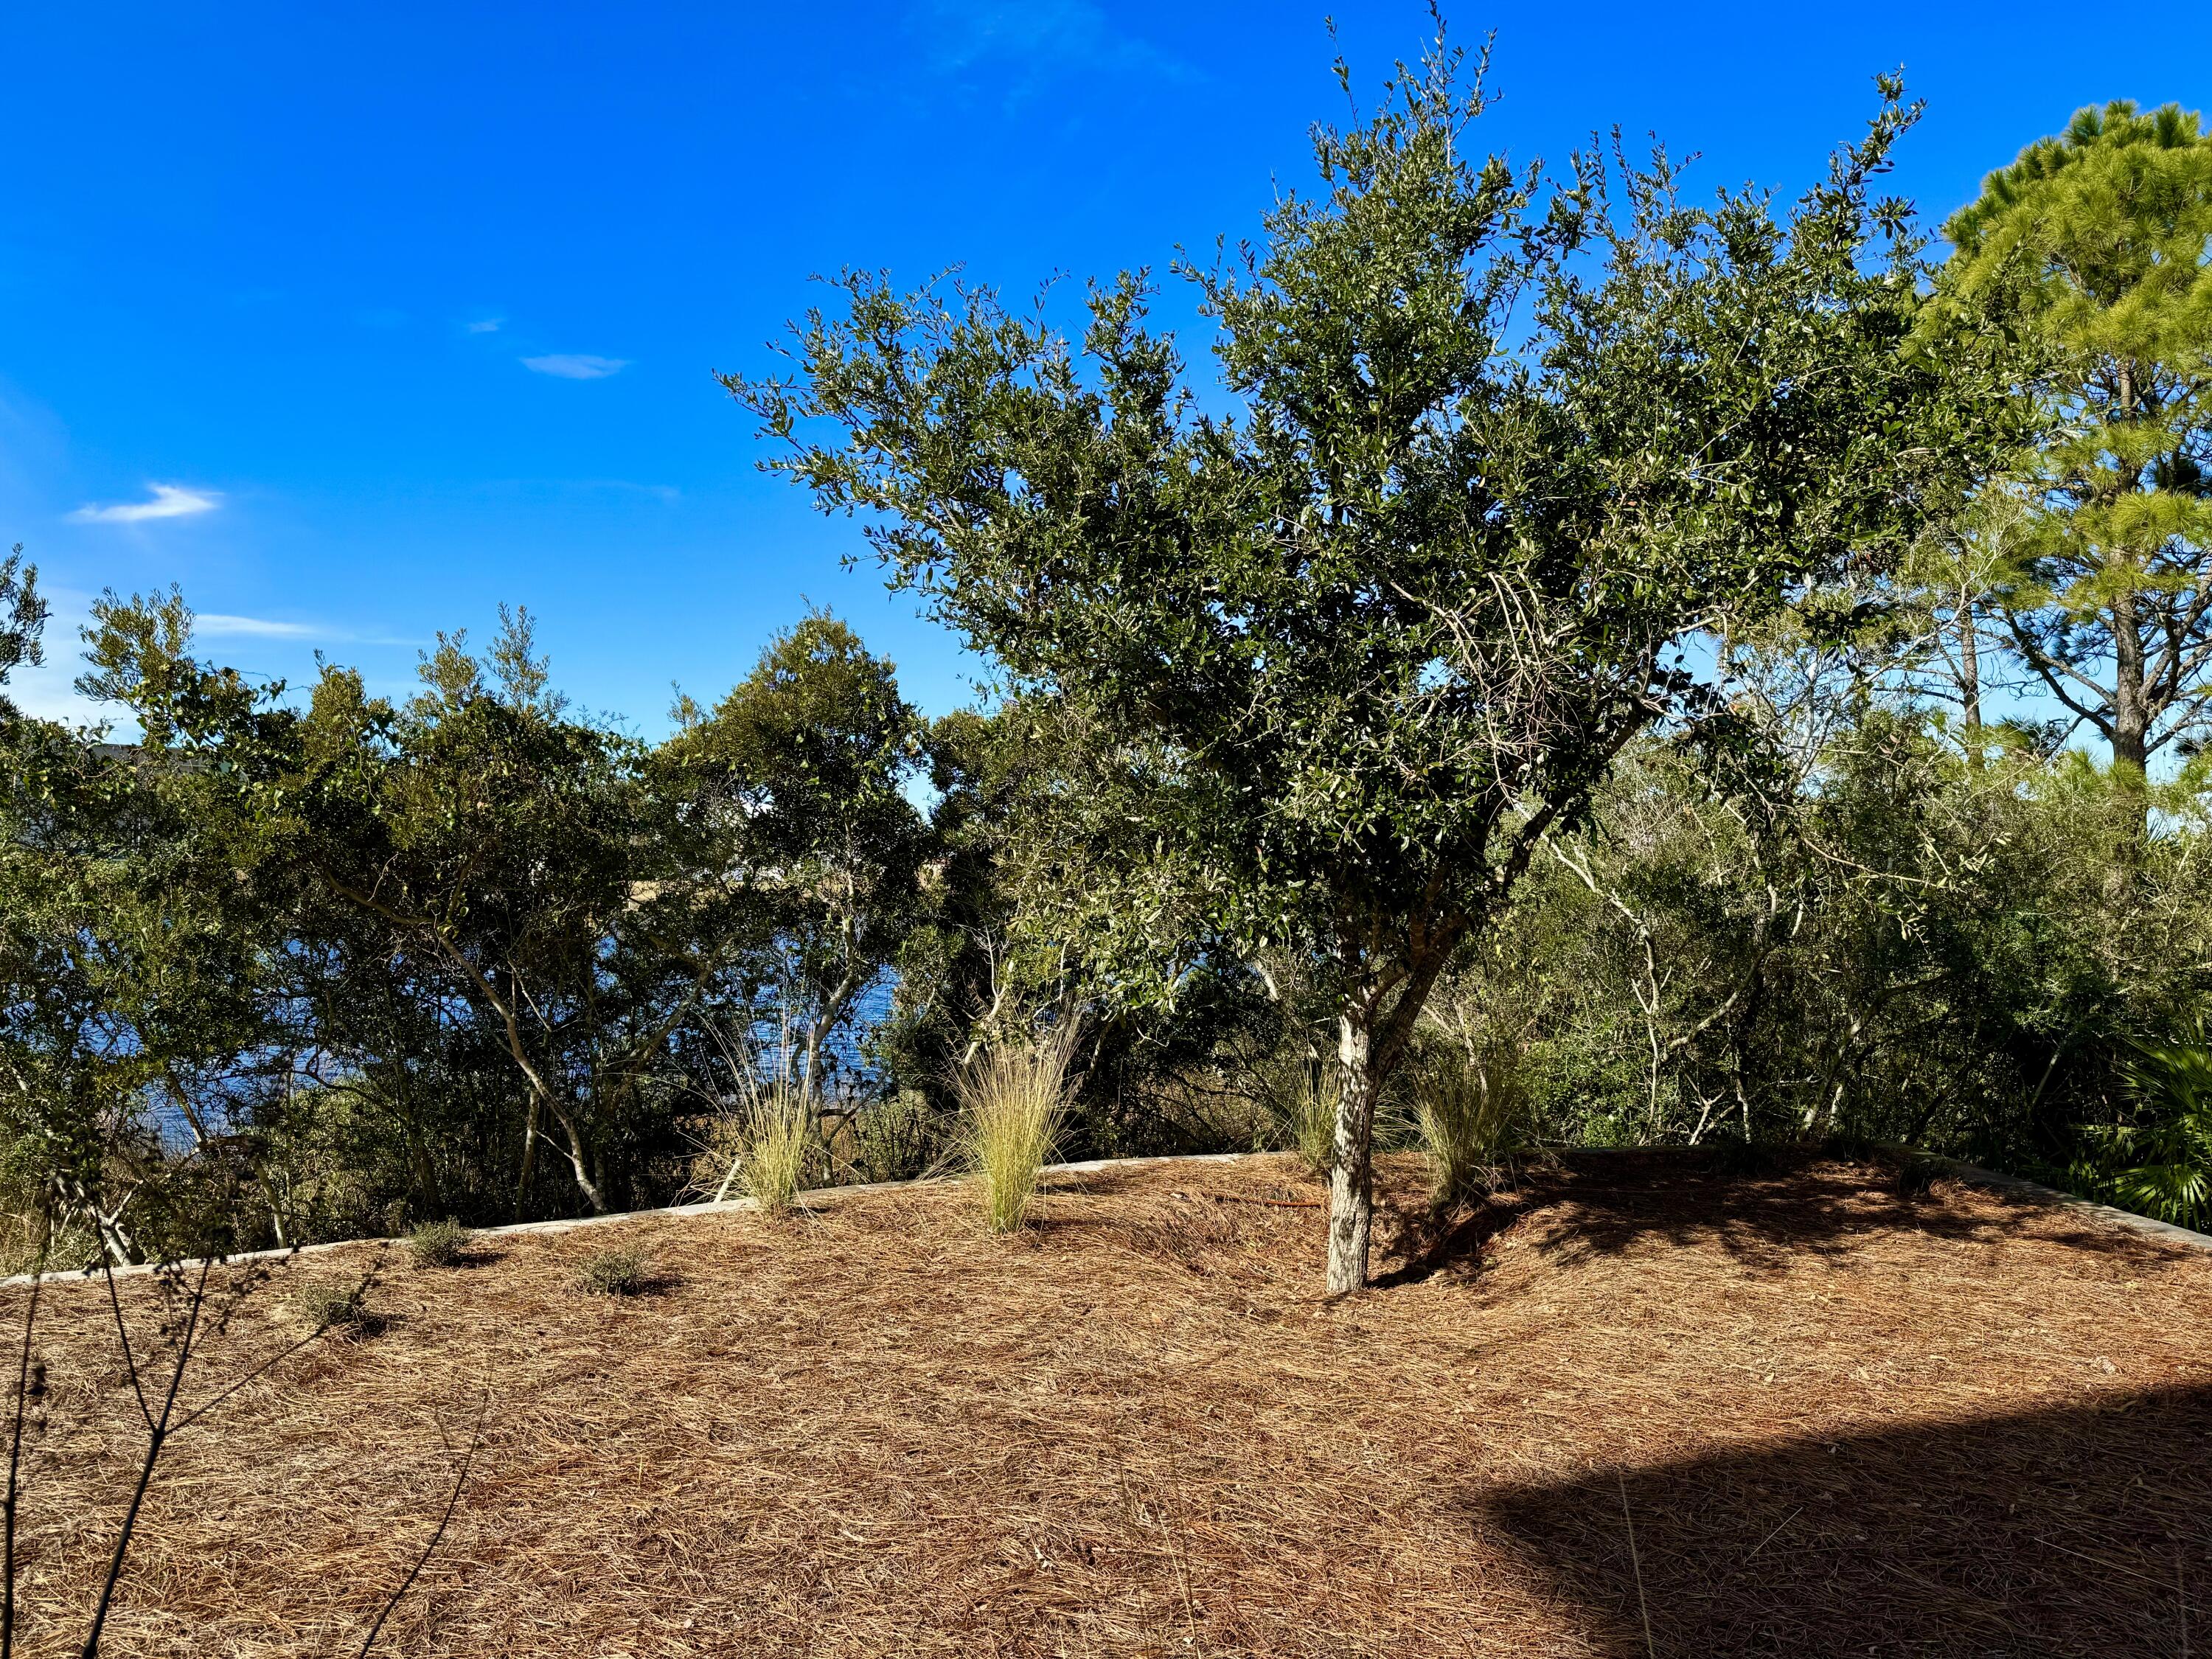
(2092, 247)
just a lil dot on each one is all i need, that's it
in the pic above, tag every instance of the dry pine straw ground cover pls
(1830, 1416)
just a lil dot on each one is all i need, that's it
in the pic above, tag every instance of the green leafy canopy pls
(1504, 457)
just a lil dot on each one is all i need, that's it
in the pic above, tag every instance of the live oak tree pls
(2092, 245)
(491, 845)
(460, 868)
(135, 989)
(1353, 630)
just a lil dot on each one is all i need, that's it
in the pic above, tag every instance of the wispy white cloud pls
(484, 325)
(168, 502)
(576, 366)
(1032, 37)
(215, 625)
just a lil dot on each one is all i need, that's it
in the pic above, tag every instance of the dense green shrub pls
(439, 1243)
(618, 1270)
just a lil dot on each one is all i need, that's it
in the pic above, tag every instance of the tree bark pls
(1969, 682)
(2130, 702)
(1373, 1031)
(2131, 721)
(574, 1151)
(2132, 712)
(1352, 1167)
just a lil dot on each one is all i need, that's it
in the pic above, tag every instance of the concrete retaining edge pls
(672, 1212)
(1973, 1173)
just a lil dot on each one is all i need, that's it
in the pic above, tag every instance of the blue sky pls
(357, 320)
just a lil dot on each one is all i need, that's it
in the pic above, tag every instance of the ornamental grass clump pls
(1470, 1110)
(779, 1135)
(1013, 1100)
(1313, 1121)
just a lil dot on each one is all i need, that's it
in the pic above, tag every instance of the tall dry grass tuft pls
(1472, 1110)
(778, 1136)
(1013, 1100)
(1313, 1120)
(764, 1136)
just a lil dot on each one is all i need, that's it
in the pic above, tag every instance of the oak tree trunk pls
(1351, 1167)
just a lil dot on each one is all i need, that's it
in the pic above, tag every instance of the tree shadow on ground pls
(1788, 1206)
(2079, 1530)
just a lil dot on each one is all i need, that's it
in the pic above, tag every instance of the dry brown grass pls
(1013, 1099)
(1838, 1419)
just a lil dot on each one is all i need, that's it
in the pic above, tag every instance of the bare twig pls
(157, 1436)
(1776, 1532)
(23, 1393)
(122, 1336)
(1636, 1566)
(437, 1533)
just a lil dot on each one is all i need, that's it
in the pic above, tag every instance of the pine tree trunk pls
(1969, 682)
(2130, 702)
(2131, 721)
(1352, 1169)
(2131, 707)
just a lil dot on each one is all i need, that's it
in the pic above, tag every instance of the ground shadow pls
(651, 1284)
(1775, 1213)
(470, 1258)
(2077, 1531)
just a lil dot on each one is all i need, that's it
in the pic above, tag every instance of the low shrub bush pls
(621, 1270)
(337, 1307)
(438, 1243)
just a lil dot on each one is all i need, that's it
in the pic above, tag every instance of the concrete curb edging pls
(671, 1213)
(1973, 1173)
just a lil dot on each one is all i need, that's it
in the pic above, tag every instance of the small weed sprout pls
(1013, 1099)
(621, 1270)
(1917, 1176)
(438, 1243)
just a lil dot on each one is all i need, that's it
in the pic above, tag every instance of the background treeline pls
(288, 967)
(277, 974)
